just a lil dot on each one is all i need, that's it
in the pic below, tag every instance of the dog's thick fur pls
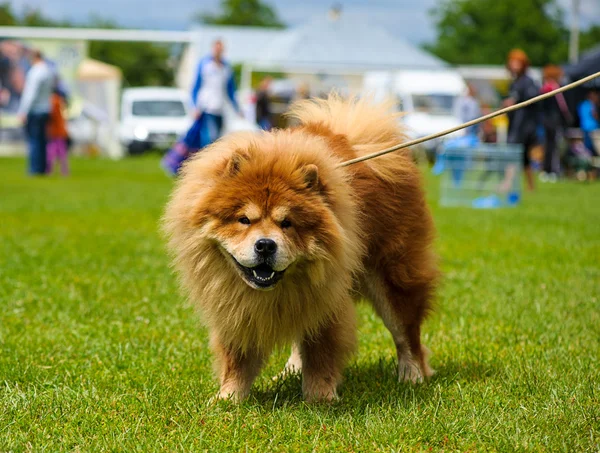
(362, 231)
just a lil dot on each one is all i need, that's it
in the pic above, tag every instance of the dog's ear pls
(311, 176)
(235, 162)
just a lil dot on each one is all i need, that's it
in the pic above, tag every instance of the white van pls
(427, 97)
(153, 118)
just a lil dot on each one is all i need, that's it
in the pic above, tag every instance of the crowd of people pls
(548, 124)
(555, 122)
(40, 111)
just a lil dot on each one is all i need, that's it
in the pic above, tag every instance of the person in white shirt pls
(34, 110)
(213, 86)
(467, 108)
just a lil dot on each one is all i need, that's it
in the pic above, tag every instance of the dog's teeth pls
(272, 275)
(255, 275)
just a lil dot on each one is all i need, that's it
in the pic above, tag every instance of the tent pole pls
(574, 35)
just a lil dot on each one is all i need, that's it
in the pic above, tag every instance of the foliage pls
(589, 38)
(484, 31)
(100, 353)
(142, 63)
(7, 15)
(243, 12)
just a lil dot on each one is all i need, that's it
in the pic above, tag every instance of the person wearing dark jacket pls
(263, 105)
(522, 123)
(556, 119)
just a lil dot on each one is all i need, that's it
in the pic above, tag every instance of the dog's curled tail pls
(368, 127)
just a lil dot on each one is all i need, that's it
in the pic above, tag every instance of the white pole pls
(245, 91)
(574, 37)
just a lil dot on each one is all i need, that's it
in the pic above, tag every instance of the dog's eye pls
(285, 223)
(244, 220)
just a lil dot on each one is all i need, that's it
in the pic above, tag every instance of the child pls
(57, 135)
(579, 156)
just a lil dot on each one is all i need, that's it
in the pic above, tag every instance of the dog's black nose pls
(265, 247)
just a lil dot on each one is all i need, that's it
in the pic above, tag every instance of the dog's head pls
(270, 211)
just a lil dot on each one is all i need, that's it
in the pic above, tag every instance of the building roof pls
(90, 69)
(242, 44)
(346, 43)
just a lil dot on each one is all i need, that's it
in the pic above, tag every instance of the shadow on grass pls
(368, 384)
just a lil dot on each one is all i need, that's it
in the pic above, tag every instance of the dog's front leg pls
(236, 370)
(325, 354)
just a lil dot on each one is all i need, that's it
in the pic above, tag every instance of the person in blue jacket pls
(589, 119)
(214, 84)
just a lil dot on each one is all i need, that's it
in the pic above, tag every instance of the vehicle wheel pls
(136, 148)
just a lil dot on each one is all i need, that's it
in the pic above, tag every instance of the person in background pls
(522, 127)
(489, 130)
(302, 92)
(214, 84)
(556, 117)
(589, 119)
(4, 79)
(263, 105)
(57, 134)
(34, 111)
(467, 108)
(579, 157)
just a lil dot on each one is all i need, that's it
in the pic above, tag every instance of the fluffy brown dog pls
(275, 242)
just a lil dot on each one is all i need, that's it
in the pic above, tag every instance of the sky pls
(407, 18)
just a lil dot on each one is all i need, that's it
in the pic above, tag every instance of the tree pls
(484, 31)
(7, 15)
(590, 38)
(243, 12)
(33, 17)
(142, 63)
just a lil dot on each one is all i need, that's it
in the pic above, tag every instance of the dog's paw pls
(326, 397)
(228, 394)
(320, 393)
(409, 371)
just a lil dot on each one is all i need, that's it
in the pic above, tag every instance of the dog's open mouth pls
(262, 276)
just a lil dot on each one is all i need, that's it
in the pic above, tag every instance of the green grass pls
(98, 351)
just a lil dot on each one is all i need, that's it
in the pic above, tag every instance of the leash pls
(481, 119)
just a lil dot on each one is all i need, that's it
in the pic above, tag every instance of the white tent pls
(99, 85)
(345, 42)
(341, 45)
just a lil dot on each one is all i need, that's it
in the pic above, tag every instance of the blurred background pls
(127, 68)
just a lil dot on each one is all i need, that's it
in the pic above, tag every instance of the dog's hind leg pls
(325, 354)
(402, 313)
(236, 370)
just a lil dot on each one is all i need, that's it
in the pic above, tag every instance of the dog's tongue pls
(263, 271)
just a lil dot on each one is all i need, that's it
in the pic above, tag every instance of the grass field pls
(98, 351)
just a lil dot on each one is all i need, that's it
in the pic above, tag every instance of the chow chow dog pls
(274, 243)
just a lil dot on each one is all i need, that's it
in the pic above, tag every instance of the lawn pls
(98, 350)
